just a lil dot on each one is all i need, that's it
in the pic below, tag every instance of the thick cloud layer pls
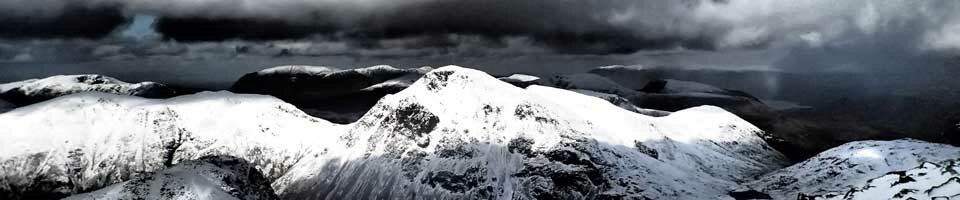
(72, 23)
(919, 39)
(569, 26)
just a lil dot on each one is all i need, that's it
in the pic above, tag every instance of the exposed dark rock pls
(521, 146)
(455, 182)
(414, 122)
(750, 194)
(654, 86)
(646, 150)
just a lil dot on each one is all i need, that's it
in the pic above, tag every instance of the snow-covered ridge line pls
(36, 90)
(89, 140)
(332, 71)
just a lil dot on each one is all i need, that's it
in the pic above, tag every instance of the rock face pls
(210, 177)
(340, 96)
(83, 142)
(838, 170)
(459, 133)
(927, 181)
(36, 90)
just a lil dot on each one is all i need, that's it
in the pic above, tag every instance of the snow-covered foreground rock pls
(87, 141)
(838, 170)
(927, 181)
(36, 90)
(460, 133)
(211, 177)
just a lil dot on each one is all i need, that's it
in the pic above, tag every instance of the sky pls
(213, 42)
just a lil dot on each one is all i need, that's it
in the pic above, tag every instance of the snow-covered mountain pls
(87, 141)
(337, 95)
(521, 80)
(460, 133)
(209, 177)
(927, 181)
(36, 90)
(838, 170)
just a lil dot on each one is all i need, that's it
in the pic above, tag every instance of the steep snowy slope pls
(86, 141)
(844, 167)
(337, 95)
(36, 90)
(927, 181)
(211, 177)
(459, 133)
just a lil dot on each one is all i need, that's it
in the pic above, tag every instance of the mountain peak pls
(459, 77)
(457, 131)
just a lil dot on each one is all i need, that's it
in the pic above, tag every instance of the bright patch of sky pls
(141, 28)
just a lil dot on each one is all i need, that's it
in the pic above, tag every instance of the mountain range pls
(445, 133)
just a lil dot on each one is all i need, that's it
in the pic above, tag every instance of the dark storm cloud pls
(71, 23)
(563, 26)
(583, 26)
(193, 29)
